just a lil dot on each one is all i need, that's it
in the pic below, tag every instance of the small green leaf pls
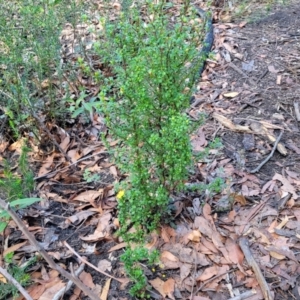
(2, 226)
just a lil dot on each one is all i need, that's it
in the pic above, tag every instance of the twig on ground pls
(269, 156)
(244, 295)
(121, 280)
(62, 291)
(194, 277)
(5, 206)
(72, 164)
(243, 242)
(262, 76)
(15, 283)
(297, 111)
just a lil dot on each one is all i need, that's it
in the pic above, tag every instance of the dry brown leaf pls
(203, 226)
(283, 222)
(169, 287)
(185, 270)
(113, 171)
(105, 290)
(17, 146)
(231, 94)
(286, 185)
(234, 252)
(229, 124)
(282, 251)
(208, 273)
(45, 168)
(277, 255)
(14, 248)
(87, 279)
(117, 247)
(280, 146)
(3, 279)
(104, 265)
(251, 282)
(199, 141)
(50, 292)
(216, 239)
(209, 245)
(168, 255)
(165, 235)
(158, 284)
(3, 146)
(239, 198)
(101, 231)
(80, 216)
(169, 260)
(88, 196)
(36, 290)
(194, 236)
(65, 143)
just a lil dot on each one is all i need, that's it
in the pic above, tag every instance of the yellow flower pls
(120, 194)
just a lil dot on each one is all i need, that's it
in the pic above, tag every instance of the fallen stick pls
(121, 280)
(5, 206)
(269, 156)
(243, 242)
(244, 295)
(63, 290)
(15, 283)
(297, 111)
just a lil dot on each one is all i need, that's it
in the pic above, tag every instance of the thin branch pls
(15, 283)
(63, 290)
(121, 280)
(297, 111)
(5, 206)
(244, 295)
(269, 156)
(243, 242)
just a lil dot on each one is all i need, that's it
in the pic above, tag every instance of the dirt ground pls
(249, 92)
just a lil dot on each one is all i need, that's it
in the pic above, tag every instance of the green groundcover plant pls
(19, 273)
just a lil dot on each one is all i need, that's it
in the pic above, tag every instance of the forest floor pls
(249, 92)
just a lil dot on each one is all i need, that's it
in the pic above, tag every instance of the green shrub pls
(155, 63)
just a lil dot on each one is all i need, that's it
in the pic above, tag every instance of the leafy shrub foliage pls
(154, 63)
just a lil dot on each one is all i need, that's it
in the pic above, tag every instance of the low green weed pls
(132, 259)
(89, 177)
(17, 186)
(18, 273)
